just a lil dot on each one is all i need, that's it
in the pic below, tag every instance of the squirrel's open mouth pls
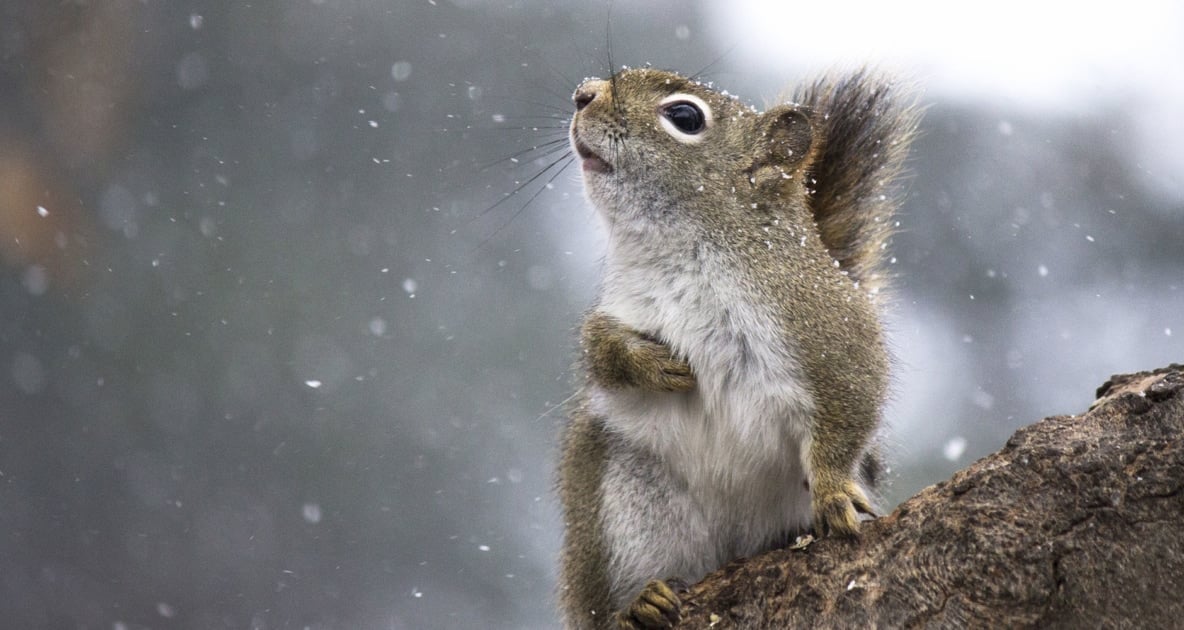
(589, 160)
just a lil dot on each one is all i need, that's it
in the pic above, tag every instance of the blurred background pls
(278, 351)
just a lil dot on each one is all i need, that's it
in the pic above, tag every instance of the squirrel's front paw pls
(835, 509)
(619, 356)
(656, 606)
(658, 369)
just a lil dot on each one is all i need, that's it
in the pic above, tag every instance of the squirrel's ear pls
(783, 146)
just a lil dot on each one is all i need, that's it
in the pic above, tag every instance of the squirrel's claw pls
(835, 511)
(862, 505)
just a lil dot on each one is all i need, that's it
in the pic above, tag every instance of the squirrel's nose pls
(583, 98)
(586, 93)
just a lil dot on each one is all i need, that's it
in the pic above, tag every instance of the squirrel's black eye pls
(686, 117)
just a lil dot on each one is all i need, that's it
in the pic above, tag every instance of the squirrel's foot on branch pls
(656, 606)
(835, 510)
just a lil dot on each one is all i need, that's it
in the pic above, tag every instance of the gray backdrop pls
(269, 359)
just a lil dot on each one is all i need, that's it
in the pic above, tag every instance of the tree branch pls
(1077, 522)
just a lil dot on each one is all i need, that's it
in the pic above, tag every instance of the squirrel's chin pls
(589, 161)
(593, 164)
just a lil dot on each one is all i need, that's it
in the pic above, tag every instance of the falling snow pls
(954, 448)
(401, 70)
(156, 297)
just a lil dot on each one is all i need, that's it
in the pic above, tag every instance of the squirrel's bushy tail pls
(867, 123)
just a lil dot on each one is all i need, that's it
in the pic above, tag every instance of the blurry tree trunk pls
(1078, 522)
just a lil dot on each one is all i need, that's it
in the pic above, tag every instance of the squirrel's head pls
(655, 144)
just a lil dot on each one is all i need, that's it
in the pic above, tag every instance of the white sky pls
(1071, 57)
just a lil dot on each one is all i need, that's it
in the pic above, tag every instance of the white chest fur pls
(736, 441)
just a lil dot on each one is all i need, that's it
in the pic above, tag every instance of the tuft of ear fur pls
(864, 123)
(783, 147)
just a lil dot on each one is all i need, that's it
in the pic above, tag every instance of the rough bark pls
(1078, 522)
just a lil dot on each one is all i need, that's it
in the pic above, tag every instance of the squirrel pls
(735, 362)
